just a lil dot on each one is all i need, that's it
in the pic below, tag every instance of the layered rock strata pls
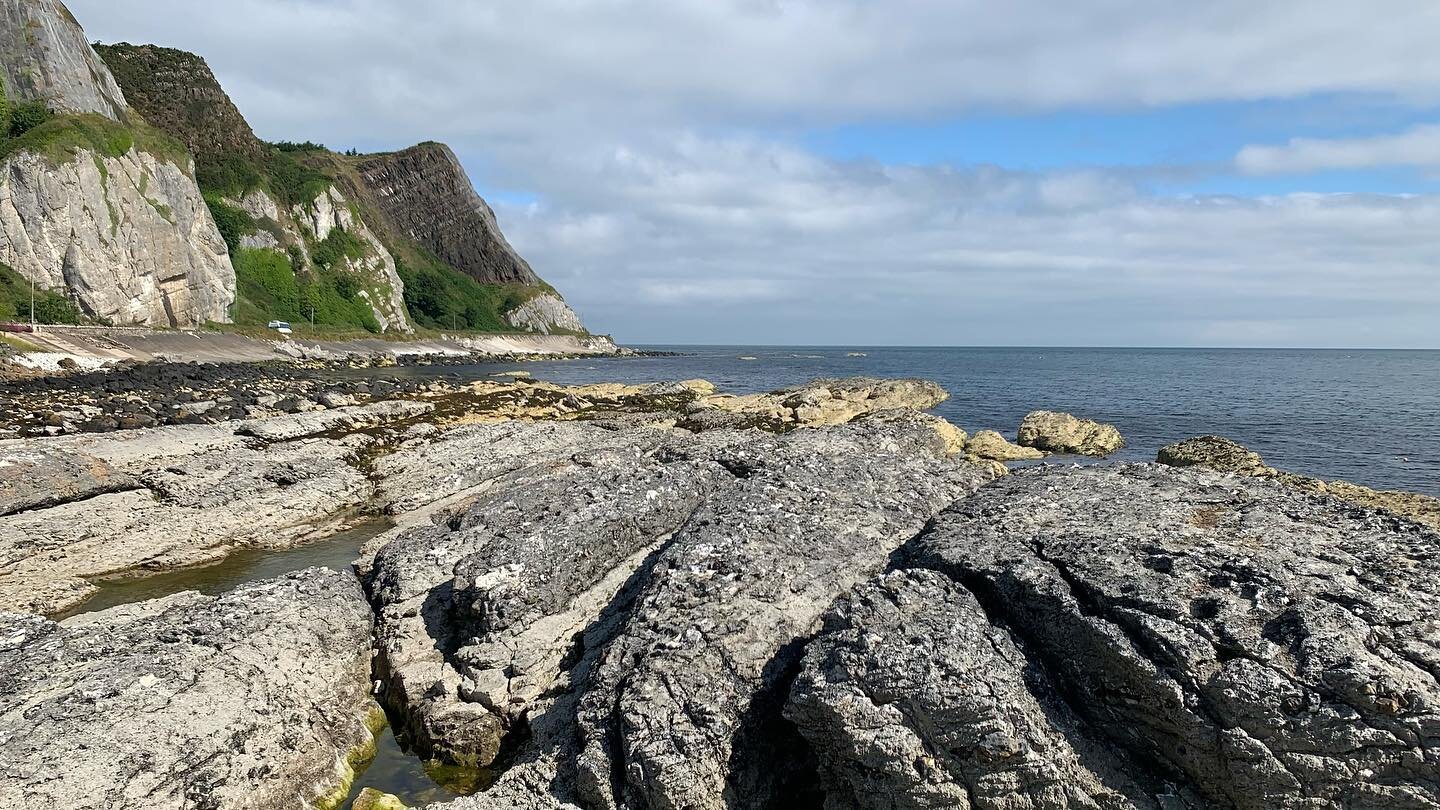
(1136, 636)
(680, 574)
(256, 698)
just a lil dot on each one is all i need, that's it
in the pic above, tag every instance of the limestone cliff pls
(44, 56)
(179, 93)
(94, 203)
(545, 313)
(129, 237)
(373, 264)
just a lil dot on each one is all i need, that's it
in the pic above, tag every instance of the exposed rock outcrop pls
(912, 698)
(176, 91)
(991, 445)
(1215, 452)
(173, 497)
(1056, 432)
(45, 56)
(37, 477)
(423, 194)
(663, 588)
(1137, 636)
(1224, 455)
(381, 285)
(257, 698)
(128, 237)
(545, 313)
(821, 402)
(126, 234)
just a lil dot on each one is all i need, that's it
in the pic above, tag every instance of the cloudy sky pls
(937, 172)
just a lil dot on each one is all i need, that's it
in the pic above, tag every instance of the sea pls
(1369, 416)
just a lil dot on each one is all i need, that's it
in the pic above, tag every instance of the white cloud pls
(1417, 146)
(793, 247)
(664, 211)
(506, 69)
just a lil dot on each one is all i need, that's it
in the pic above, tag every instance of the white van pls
(280, 326)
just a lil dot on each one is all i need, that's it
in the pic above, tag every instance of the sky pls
(892, 172)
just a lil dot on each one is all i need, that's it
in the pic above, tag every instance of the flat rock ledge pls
(1224, 455)
(258, 698)
(1136, 636)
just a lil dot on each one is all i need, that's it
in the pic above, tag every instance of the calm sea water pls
(1369, 416)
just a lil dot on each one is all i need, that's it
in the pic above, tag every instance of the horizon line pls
(1039, 346)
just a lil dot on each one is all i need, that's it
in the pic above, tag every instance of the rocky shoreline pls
(664, 596)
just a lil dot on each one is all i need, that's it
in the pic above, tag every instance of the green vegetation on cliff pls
(50, 307)
(179, 93)
(440, 297)
(268, 288)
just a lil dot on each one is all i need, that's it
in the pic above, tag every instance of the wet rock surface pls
(253, 699)
(197, 496)
(1056, 432)
(1224, 642)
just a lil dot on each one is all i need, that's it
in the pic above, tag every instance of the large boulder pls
(1057, 432)
(257, 698)
(991, 445)
(1137, 636)
(1064, 433)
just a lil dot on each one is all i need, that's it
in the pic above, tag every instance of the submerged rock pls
(1057, 432)
(257, 698)
(1136, 636)
(372, 799)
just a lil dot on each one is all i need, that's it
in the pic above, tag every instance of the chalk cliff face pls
(125, 233)
(544, 314)
(423, 193)
(132, 238)
(45, 56)
(383, 289)
(129, 237)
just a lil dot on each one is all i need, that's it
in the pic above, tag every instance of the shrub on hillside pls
(233, 222)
